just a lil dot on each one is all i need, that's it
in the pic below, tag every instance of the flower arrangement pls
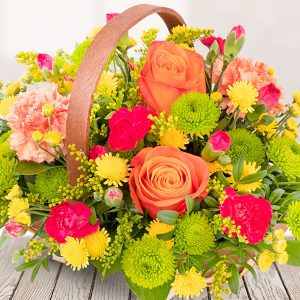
(193, 164)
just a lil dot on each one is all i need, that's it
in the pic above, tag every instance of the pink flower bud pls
(209, 40)
(113, 197)
(269, 95)
(239, 31)
(220, 141)
(45, 61)
(13, 229)
(110, 16)
(97, 151)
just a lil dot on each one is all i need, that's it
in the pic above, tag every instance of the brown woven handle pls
(78, 122)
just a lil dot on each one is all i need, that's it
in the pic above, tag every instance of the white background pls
(272, 28)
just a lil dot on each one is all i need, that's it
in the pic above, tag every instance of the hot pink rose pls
(13, 229)
(127, 128)
(110, 16)
(251, 213)
(269, 95)
(209, 40)
(220, 141)
(70, 219)
(45, 61)
(239, 31)
(97, 151)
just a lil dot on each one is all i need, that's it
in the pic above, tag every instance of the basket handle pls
(91, 68)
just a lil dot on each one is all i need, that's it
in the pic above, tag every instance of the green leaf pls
(28, 265)
(45, 264)
(117, 266)
(249, 268)
(166, 236)
(93, 218)
(238, 167)
(168, 216)
(234, 279)
(210, 201)
(31, 168)
(276, 195)
(293, 250)
(189, 201)
(158, 293)
(291, 197)
(253, 177)
(34, 272)
(266, 120)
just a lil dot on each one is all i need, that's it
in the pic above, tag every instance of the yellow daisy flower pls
(249, 168)
(48, 109)
(15, 192)
(113, 169)
(107, 83)
(265, 260)
(18, 209)
(295, 110)
(189, 285)
(216, 97)
(282, 258)
(53, 138)
(296, 97)
(75, 252)
(243, 95)
(97, 243)
(215, 166)
(289, 134)
(279, 246)
(291, 124)
(267, 130)
(156, 227)
(174, 138)
(279, 234)
(5, 105)
(37, 136)
(23, 218)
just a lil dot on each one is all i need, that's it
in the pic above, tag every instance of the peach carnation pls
(26, 116)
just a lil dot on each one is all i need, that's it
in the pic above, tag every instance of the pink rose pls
(127, 128)
(209, 41)
(220, 141)
(269, 95)
(13, 229)
(97, 151)
(239, 31)
(70, 219)
(110, 16)
(45, 61)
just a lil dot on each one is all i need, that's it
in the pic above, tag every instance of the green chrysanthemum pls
(48, 184)
(244, 141)
(293, 219)
(194, 234)
(7, 177)
(196, 113)
(285, 154)
(148, 262)
(4, 145)
(80, 51)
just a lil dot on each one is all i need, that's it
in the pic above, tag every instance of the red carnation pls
(127, 128)
(70, 219)
(269, 95)
(251, 213)
(209, 41)
(97, 151)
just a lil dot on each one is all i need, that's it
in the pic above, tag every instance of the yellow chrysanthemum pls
(107, 83)
(282, 258)
(12, 89)
(15, 192)
(249, 168)
(174, 138)
(75, 253)
(272, 72)
(268, 130)
(48, 109)
(37, 136)
(279, 246)
(156, 227)
(215, 166)
(295, 110)
(189, 285)
(265, 260)
(97, 243)
(279, 234)
(53, 138)
(289, 134)
(243, 95)
(216, 97)
(113, 169)
(18, 209)
(296, 97)
(291, 124)
(5, 105)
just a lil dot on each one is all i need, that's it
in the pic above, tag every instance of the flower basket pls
(174, 169)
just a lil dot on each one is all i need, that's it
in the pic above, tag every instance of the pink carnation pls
(25, 116)
(220, 141)
(13, 229)
(239, 31)
(127, 128)
(45, 61)
(70, 219)
(209, 41)
(97, 151)
(269, 95)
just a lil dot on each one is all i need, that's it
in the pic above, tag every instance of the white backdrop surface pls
(272, 28)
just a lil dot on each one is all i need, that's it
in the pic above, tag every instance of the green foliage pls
(168, 216)
(293, 250)
(7, 176)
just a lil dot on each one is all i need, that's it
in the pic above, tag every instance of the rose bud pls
(113, 197)
(97, 151)
(218, 143)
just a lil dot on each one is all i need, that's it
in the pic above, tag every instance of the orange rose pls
(162, 176)
(169, 72)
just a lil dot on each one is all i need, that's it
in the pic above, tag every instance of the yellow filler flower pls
(265, 260)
